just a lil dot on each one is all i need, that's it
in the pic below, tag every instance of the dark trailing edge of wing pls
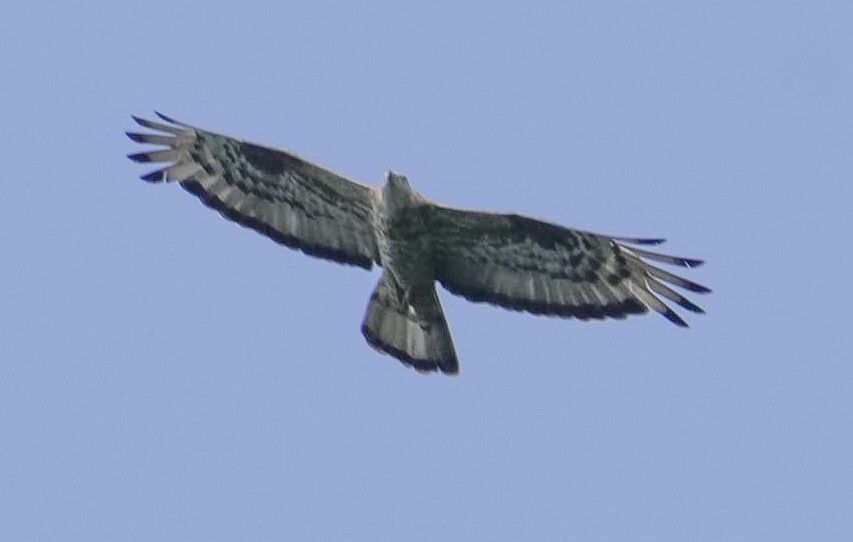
(581, 312)
(641, 282)
(169, 155)
(290, 241)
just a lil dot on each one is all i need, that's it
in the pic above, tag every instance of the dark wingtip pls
(691, 262)
(692, 307)
(657, 241)
(138, 120)
(641, 241)
(139, 138)
(140, 157)
(154, 177)
(168, 118)
(671, 315)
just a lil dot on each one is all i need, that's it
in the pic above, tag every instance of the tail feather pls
(416, 332)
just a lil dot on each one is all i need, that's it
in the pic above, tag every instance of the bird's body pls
(508, 260)
(404, 317)
(404, 243)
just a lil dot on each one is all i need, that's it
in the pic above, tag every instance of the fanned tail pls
(413, 330)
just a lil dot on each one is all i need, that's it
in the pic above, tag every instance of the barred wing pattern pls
(528, 265)
(274, 192)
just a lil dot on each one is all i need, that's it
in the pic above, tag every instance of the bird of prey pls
(509, 260)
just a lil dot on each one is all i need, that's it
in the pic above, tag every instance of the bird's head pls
(396, 180)
(397, 191)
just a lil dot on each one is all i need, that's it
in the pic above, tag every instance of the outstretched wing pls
(274, 192)
(524, 264)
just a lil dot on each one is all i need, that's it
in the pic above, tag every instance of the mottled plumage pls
(509, 260)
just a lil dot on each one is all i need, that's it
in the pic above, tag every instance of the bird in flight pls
(510, 260)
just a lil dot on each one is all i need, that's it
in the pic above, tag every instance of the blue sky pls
(168, 375)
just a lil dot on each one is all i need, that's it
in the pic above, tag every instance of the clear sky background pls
(167, 375)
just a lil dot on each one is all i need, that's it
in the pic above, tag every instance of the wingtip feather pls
(673, 317)
(641, 241)
(171, 128)
(656, 241)
(140, 157)
(167, 118)
(154, 177)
